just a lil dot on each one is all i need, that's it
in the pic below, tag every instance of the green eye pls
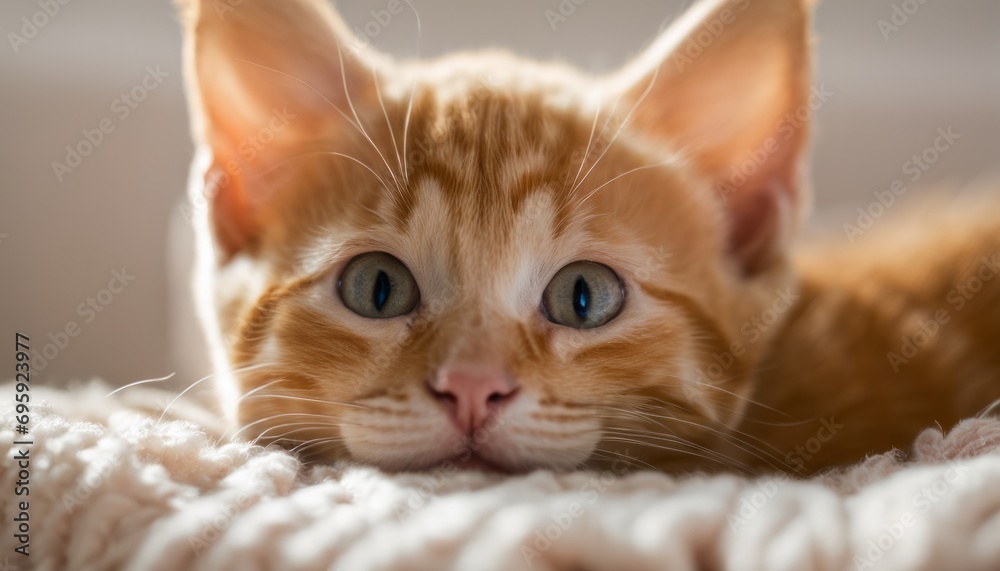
(583, 295)
(378, 286)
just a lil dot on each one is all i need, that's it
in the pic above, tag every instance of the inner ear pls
(267, 81)
(726, 87)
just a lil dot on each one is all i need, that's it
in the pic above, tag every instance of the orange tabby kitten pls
(489, 262)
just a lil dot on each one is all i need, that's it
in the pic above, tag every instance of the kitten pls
(488, 262)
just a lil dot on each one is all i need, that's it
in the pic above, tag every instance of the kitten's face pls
(511, 273)
(482, 225)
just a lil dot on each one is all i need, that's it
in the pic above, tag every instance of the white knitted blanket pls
(112, 488)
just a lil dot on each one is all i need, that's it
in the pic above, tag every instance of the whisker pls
(990, 409)
(308, 426)
(628, 172)
(311, 443)
(643, 418)
(732, 439)
(309, 399)
(130, 385)
(406, 129)
(269, 418)
(332, 153)
(357, 125)
(590, 140)
(621, 432)
(258, 389)
(717, 387)
(722, 462)
(203, 379)
(413, 88)
(350, 103)
(741, 444)
(705, 427)
(621, 127)
(388, 123)
(615, 455)
(305, 83)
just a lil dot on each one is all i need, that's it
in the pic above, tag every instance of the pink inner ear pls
(231, 220)
(269, 68)
(729, 107)
(751, 216)
(759, 218)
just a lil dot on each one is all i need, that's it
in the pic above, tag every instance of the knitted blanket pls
(113, 486)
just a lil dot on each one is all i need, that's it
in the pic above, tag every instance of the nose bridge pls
(478, 335)
(471, 341)
(474, 303)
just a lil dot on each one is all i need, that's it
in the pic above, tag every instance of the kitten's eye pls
(583, 295)
(378, 285)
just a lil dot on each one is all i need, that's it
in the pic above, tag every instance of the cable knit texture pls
(114, 487)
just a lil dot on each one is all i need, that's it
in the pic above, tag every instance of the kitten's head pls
(487, 260)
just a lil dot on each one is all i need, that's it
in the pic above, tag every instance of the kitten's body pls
(896, 333)
(484, 178)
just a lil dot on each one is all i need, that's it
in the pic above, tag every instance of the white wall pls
(942, 68)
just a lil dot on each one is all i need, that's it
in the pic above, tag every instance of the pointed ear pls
(729, 85)
(264, 76)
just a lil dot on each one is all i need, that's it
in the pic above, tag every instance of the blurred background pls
(898, 71)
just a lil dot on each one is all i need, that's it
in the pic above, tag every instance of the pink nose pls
(472, 395)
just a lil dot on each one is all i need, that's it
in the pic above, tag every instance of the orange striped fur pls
(484, 175)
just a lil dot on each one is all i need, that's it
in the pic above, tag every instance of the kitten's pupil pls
(380, 294)
(581, 297)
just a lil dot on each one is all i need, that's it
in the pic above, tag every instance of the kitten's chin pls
(479, 463)
(502, 461)
(476, 463)
(465, 462)
(470, 461)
